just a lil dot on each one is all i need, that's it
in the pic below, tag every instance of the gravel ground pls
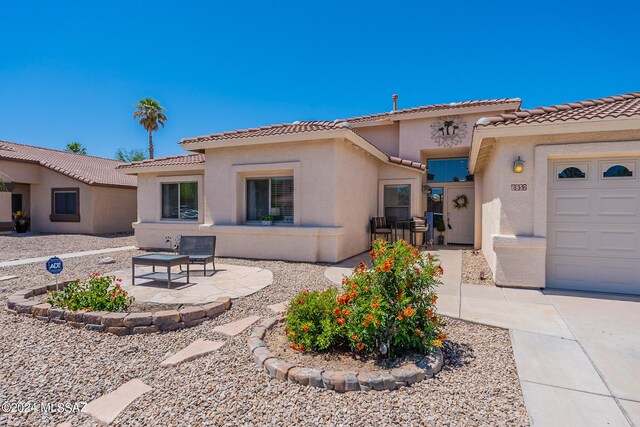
(29, 245)
(51, 363)
(474, 268)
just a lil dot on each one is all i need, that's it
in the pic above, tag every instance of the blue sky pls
(71, 71)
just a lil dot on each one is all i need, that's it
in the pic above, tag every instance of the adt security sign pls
(54, 265)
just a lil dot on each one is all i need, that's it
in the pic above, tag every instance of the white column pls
(477, 212)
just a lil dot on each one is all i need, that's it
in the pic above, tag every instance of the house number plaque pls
(518, 187)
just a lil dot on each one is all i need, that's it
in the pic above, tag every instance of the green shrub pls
(99, 293)
(387, 309)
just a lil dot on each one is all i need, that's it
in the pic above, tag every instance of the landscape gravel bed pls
(44, 363)
(475, 269)
(31, 245)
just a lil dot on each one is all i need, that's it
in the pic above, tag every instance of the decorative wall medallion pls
(460, 202)
(449, 131)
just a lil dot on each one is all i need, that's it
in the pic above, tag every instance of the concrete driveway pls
(577, 354)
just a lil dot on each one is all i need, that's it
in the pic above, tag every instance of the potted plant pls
(439, 225)
(266, 219)
(21, 222)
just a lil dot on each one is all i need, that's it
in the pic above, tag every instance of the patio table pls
(160, 260)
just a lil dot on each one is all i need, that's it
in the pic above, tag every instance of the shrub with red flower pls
(388, 309)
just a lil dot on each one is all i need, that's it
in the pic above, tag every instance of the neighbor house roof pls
(435, 107)
(87, 169)
(185, 159)
(626, 105)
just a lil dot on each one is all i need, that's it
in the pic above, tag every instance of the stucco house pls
(549, 195)
(63, 192)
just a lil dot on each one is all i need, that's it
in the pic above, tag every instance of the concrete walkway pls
(65, 256)
(577, 354)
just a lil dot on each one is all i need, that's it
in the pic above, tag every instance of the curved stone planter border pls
(340, 381)
(116, 323)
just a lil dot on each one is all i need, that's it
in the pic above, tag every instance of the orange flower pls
(368, 317)
(305, 328)
(361, 265)
(355, 338)
(417, 271)
(408, 312)
(346, 312)
(442, 336)
(373, 254)
(399, 296)
(375, 305)
(437, 343)
(429, 313)
(300, 347)
(440, 271)
(365, 324)
(305, 292)
(292, 334)
(340, 320)
(360, 346)
(434, 299)
(419, 332)
(353, 294)
(300, 301)
(336, 311)
(400, 317)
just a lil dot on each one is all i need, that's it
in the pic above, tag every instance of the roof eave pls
(194, 145)
(136, 170)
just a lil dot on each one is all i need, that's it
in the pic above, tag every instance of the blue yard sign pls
(54, 265)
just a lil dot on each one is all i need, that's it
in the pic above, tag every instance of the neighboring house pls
(550, 195)
(63, 192)
(321, 180)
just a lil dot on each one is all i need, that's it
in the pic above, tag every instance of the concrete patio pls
(577, 353)
(232, 281)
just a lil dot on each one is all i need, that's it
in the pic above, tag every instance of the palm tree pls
(76, 147)
(128, 156)
(150, 113)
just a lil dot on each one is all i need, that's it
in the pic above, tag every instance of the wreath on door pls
(460, 202)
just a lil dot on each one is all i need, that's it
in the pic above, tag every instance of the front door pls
(459, 215)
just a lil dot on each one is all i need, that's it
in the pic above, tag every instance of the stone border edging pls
(117, 323)
(340, 381)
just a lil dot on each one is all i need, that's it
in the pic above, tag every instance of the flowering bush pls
(99, 293)
(387, 309)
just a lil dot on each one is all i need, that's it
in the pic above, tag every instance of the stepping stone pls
(106, 408)
(3, 278)
(234, 328)
(278, 308)
(193, 351)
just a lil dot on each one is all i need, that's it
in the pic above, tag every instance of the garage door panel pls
(593, 228)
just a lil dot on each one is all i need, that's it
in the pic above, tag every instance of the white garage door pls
(593, 233)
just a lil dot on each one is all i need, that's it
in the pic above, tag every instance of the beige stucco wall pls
(514, 222)
(335, 194)
(114, 212)
(385, 137)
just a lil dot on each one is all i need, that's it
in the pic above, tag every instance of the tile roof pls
(433, 107)
(185, 159)
(626, 105)
(87, 169)
(280, 129)
(409, 163)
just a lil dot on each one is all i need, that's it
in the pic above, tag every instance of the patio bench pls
(199, 249)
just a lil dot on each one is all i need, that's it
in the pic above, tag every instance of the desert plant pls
(151, 116)
(388, 309)
(99, 293)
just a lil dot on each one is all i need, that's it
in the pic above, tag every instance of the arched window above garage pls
(617, 171)
(572, 172)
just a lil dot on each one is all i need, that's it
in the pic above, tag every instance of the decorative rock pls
(94, 317)
(44, 319)
(172, 326)
(56, 313)
(268, 323)
(109, 406)
(95, 328)
(193, 351)
(234, 328)
(41, 310)
(15, 299)
(278, 308)
(261, 355)
(77, 325)
(117, 330)
(254, 343)
(39, 290)
(226, 301)
(277, 369)
(259, 332)
(113, 320)
(144, 329)
(58, 320)
(213, 309)
(306, 376)
(165, 317)
(431, 364)
(74, 316)
(194, 322)
(191, 313)
(404, 376)
(107, 260)
(24, 307)
(138, 319)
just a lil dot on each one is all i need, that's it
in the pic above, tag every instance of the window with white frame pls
(180, 200)
(397, 202)
(270, 197)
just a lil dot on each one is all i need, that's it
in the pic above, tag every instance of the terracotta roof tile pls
(279, 129)
(433, 107)
(185, 159)
(87, 169)
(409, 163)
(626, 105)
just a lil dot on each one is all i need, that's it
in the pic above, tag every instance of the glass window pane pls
(257, 198)
(65, 203)
(188, 200)
(397, 202)
(617, 171)
(170, 201)
(448, 170)
(282, 199)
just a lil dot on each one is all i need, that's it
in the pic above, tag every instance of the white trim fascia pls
(270, 139)
(136, 170)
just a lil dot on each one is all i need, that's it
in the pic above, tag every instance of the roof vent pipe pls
(395, 101)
